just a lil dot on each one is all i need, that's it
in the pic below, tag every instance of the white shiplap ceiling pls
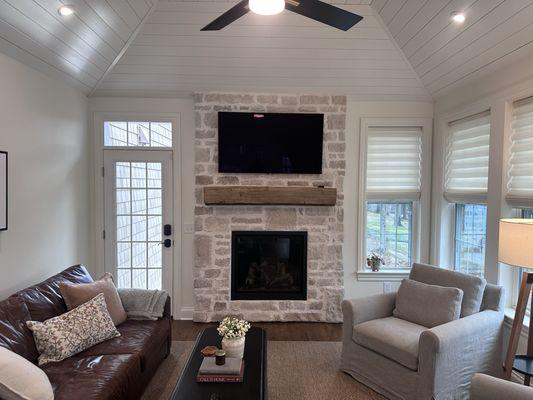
(80, 48)
(283, 53)
(403, 49)
(444, 54)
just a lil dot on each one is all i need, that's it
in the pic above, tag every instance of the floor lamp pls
(516, 249)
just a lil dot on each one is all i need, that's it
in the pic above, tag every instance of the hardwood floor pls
(280, 331)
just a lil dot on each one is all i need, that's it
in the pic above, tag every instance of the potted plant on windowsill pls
(375, 261)
(233, 332)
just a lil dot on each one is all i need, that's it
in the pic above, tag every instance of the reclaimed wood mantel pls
(270, 195)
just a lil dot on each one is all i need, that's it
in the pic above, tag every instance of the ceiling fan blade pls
(324, 12)
(233, 14)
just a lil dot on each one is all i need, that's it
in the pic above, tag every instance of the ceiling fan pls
(314, 9)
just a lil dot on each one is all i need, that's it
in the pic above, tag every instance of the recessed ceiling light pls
(65, 10)
(266, 7)
(458, 17)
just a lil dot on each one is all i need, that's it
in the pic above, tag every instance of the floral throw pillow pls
(65, 335)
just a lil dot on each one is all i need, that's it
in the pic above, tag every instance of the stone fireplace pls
(268, 265)
(215, 226)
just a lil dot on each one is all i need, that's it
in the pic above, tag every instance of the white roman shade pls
(393, 163)
(467, 159)
(520, 171)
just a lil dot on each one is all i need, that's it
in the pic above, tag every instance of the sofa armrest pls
(485, 387)
(451, 353)
(167, 312)
(357, 311)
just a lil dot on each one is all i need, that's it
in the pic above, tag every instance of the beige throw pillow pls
(65, 335)
(77, 294)
(427, 305)
(22, 380)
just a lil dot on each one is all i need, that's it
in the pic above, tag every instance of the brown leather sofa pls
(119, 368)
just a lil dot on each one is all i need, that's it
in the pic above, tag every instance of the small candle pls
(220, 357)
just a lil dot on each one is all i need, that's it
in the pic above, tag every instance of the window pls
(520, 170)
(139, 216)
(470, 234)
(137, 134)
(393, 190)
(466, 183)
(389, 229)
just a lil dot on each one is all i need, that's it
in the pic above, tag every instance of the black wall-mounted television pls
(271, 143)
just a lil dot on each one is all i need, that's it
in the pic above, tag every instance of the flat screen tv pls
(270, 143)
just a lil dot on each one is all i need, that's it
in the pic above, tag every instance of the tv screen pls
(270, 143)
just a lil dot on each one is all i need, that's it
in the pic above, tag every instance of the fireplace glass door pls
(269, 265)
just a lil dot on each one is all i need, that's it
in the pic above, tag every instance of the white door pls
(138, 218)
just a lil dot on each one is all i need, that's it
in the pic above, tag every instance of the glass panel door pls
(138, 204)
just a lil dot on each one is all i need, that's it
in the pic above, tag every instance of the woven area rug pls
(296, 371)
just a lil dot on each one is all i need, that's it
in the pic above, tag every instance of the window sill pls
(383, 276)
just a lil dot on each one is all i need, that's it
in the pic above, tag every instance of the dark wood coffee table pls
(254, 386)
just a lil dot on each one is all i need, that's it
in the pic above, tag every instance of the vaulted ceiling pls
(445, 54)
(282, 53)
(79, 48)
(403, 49)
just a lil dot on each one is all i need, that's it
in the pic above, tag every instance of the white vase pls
(234, 347)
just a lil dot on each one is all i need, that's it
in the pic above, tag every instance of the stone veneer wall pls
(213, 225)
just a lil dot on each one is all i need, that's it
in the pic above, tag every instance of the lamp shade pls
(516, 242)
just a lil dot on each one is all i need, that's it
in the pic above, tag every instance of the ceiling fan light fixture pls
(267, 7)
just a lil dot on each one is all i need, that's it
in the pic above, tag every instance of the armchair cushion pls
(473, 287)
(391, 337)
(427, 305)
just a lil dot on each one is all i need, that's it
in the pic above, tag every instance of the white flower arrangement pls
(232, 328)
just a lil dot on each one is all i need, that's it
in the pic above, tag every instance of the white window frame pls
(421, 208)
(447, 212)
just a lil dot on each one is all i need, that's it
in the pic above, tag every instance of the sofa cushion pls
(14, 334)
(77, 294)
(44, 300)
(70, 333)
(427, 305)
(391, 337)
(106, 377)
(136, 337)
(472, 286)
(15, 374)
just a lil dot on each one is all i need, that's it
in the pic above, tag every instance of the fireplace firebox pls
(267, 265)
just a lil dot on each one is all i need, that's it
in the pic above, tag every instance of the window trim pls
(421, 207)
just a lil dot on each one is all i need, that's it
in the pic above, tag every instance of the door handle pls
(167, 243)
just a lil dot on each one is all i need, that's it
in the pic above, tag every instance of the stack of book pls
(231, 371)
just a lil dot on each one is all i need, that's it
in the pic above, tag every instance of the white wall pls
(44, 129)
(184, 196)
(356, 110)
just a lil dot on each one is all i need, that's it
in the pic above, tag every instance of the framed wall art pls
(3, 190)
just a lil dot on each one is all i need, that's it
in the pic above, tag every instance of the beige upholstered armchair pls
(405, 360)
(485, 387)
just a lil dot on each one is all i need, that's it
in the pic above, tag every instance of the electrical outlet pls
(188, 228)
(387, 287)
